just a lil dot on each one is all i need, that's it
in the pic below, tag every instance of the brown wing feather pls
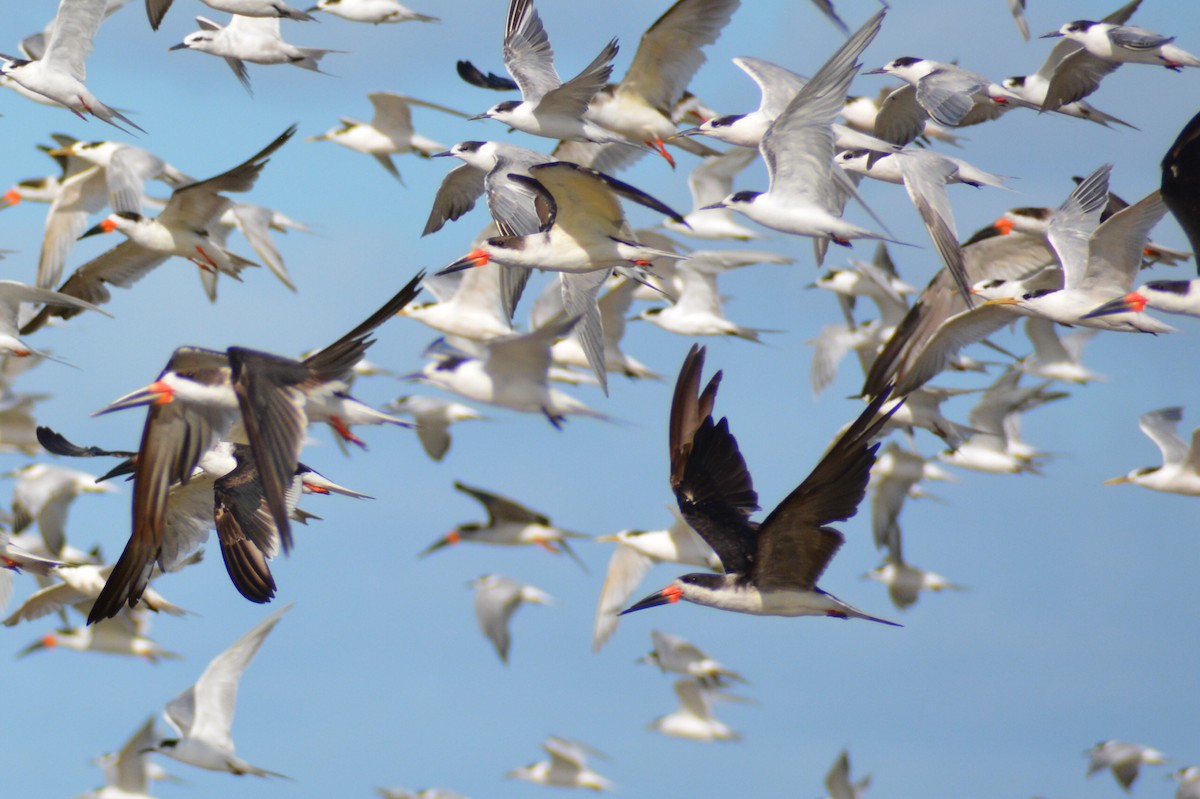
(272, 406)
(336, 360)
(174, 438)
(245, 529)
(794, 545)
(708, 474)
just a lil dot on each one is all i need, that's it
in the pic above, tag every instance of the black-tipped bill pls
(670, 594)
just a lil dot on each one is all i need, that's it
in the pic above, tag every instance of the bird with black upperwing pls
(771, 569)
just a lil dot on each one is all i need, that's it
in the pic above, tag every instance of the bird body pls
(376, 12)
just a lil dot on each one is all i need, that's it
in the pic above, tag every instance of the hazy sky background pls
(1081, 623)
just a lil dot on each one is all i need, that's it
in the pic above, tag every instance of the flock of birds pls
(225, 429)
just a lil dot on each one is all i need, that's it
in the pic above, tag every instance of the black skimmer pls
(771, 568)
(204, 397)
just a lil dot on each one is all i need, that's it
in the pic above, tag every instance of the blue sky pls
(1081, 623)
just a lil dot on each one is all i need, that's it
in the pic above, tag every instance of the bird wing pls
(670, 50)
(901, 118)
(130, 765)
(81, 196)
(1162, 427)
(776, 85)
(496, 600)
(1193, 456)
(798, 146)
(156, 10)
(500, 508)
(246, 528)
(50, 599)
(837, 781)
(614, 309)
(525, 357)
(925, 175)
(122, 266)
(1075, 77)
(922, 364)
(585, 199)
(175, 436)
(254, 222)
(455, 197)
(271, 398)
(1001, 257)
(572, 97)
(528, 56)
(947, 94)
(126, 175)
(1132, 37)
(711, 181)
(579, 292)
(626, 568)
(567, 753)
(196, 205)
(794, 545)
(71, 36)
(215, 693)
(1075, 221)
(699, 294)
(693, 698)
(1181, 180)
(12, 294)
(1047, 346)
(511, 204)
(1115, 249)
(393, 116)
(712, 485)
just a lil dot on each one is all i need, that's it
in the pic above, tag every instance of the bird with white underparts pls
(694, 719)
(240, 417)
(60, 72)
(1179, 472)
(156, 10)
(945, 93)
(497, 598)
(509, 523)
(1125, 760)
(510, 372)
(390, 132)
(253, 39)
(43, 495)
(115, 175)
(640, 107)
(635, 553)
(772, 567)
(127, 634)
(433, 417)
(583, 234)
(375, 12)
(181, 230)
(676, 655)
(203, 714)
(548, 106)
(566, 768)
(697, 309)
(1065, 73)
(806, 192)
(127, 772)
(1099, 259)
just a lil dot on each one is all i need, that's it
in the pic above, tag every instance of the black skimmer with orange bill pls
(771, 568)
(202, 399)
